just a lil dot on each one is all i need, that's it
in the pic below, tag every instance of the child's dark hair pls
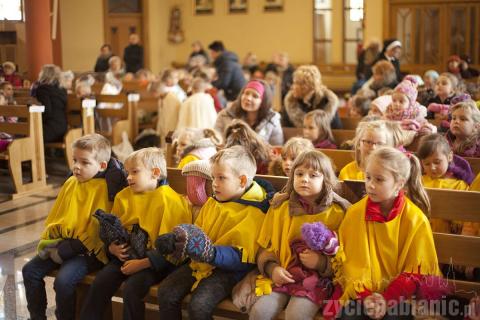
(362, 104)
(240, 133)
(322, 121)
(433, 143)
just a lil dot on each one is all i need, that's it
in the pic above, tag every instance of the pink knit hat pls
(408, 87)
(197, 172)
(382, 102)
(257, 86)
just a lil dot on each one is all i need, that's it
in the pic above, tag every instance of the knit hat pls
(382, 102)
(257, 86)
(319, 238)
(460, 98)
(194, 243)
(432, 74)
(197, 173)
(408, 87)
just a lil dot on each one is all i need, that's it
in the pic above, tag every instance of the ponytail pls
(415, 188)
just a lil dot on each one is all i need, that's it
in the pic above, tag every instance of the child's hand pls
(310, 258)
(133, 266)
(375, 306)
(281, 276)
(119, 250)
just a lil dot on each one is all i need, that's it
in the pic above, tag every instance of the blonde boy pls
(292, 148)
(151, 206)
(70, 241)
(222, 243)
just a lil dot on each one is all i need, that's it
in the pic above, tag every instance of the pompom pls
(319, 238)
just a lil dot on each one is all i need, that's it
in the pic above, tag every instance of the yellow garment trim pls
(351, 172)
(231, 224)
(187, 159)
(372, 254)
(157, 211)
(475, 186)
(71, 215)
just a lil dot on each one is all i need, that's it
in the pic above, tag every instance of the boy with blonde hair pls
(70, 240)
(148, 206)
(222, 244)
(290, 150)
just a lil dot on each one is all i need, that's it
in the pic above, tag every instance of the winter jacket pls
(230, 76)
(54, 118)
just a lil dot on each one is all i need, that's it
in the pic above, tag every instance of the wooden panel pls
(20, 111)
(457, 250)
(20, 128)
(340, 158)
(453, 204)
(349, 123)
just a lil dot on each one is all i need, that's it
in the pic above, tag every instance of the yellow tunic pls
(71, 215)
(372, 254)
(187, 159)
(157, 211)
(231, 224)
(351, 172)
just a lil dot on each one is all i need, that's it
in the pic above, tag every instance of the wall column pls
(38, 36)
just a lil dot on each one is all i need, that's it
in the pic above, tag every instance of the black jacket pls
(133, 57)
(230, 75)
(54, 118)
(101, 65)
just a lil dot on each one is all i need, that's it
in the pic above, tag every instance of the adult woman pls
(306, 94)
(254, 106)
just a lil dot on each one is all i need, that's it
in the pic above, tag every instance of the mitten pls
(165, 243)
(111, 229)
(439, 108)
(319, 238)
(193, 242)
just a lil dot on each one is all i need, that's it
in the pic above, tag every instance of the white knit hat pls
(199, 168)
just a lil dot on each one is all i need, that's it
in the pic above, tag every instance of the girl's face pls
(287, 161)
(380, 184)
(400, 102)
(183, 141)
(310, 129)
(462, 124)
(251, 100)
(443, 87)
(436, 164)
(307, 183)
(371, 139)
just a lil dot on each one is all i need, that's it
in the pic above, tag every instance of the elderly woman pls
(306, 94)
(254, 106)
(10, 75)
(49, 93)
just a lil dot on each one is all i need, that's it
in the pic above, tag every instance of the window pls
(352, 29)
(322, 31)
(11, 10)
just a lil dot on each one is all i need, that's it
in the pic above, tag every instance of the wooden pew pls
(26, 147)
(349, 123)
(340, 135)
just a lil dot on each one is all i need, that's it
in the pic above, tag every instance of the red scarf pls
(374, 213)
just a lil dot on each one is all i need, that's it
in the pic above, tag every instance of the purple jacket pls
(472, 150)
(325, 144)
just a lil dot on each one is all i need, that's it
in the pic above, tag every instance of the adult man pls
(133, 54)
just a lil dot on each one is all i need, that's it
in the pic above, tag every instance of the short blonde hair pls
(309, 77)
(151, 158)
(468, 105)
(239, 159)
(296, 145)
(95, 143)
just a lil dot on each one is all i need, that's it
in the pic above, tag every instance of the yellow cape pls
(455, 184)
(372, 254)
(475, 186)
(187, 159)
(231, 224)
(157, 211)
(71, 215)
(351, 172)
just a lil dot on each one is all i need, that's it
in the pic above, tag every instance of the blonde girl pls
(464, 133)
(196, 144)
(316, 128)
(307, 198)
(386, 243)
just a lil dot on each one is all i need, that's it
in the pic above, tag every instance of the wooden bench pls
(446, 204)
(26, 147)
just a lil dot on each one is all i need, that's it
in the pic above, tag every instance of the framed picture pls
(237, 6)
(273, 5)
(203, 6)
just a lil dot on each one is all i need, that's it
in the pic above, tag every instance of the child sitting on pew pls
(286, 259)
(197, 144)
(316, 128)
(387, 250)
(464, 133)
(6, 89)
(225, 233)
(70, 241)
(148, 205)
(281, 165)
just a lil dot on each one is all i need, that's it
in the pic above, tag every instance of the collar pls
(162, 182)
(258, 195)
(374, 213)
(308, 98)
(298, 206)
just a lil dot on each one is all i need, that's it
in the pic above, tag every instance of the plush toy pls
(319, 238)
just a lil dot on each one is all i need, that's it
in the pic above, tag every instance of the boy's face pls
(226, 184)
(140, 179)
(85, 166)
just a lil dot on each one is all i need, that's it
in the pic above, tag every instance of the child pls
(445, 89)
(152, 206)
(198, 145)
(230, 224)
(198, 111)
(316, 128)
(70, 241)
(240, 133)
(308, 198)
(386, 244)
(6, 89)
(379, 105)
(170, 79)
(464, 133)
(368, 137)
(427, 92)
(359, 106)
(290, 151)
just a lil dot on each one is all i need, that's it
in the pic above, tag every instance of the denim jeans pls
(70, 273)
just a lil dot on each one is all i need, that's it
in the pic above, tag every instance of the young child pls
(151, 206)
(386, 244)
(198, 111)
(427, 92)
(359, 106)
(6, 89)
(464, 133)
(70, 241)
(379, 105)
(290, 151)
(196, 144)
(170, 79)
(309, 197)
(316, 128)
(226, 230)
(240, 133)
(444, 89)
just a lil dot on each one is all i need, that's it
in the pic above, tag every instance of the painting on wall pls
(203, 6)
(273, 5)
(237, 6)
